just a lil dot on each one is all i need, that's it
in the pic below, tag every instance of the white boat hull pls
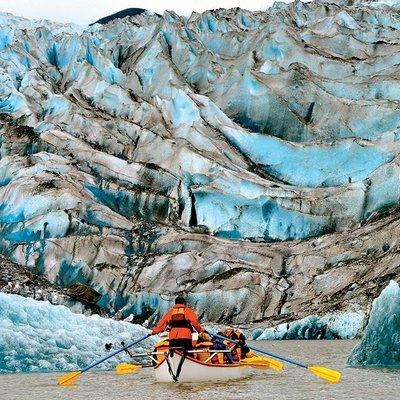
(196, 371)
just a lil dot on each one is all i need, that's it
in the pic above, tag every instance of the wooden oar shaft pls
(267, 353)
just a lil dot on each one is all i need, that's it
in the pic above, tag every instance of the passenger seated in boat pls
(221, 358)
(181, 321)
(203, 345)
(239, 350)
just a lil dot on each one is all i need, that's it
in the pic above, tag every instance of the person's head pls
(229, 332)
(204, 337)
(180, 300)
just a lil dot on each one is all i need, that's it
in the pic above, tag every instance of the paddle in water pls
(322, 372)
(262, 363)
(70, 378)
(126, 368)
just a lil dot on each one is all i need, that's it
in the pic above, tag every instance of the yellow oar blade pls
(274, 364)
(325, 373)
(68, 379)
(127, 368)
(263, 363)
(258, 366)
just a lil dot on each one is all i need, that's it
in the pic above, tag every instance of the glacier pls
(345, 325)
(247, 159)
(36, 336)
(380, 345)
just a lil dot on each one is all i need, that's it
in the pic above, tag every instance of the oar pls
(323, 372)
(256, 365)
(69, 379)
(263, 363)
(126, 368)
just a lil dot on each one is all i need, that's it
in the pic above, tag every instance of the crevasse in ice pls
(38, 336)
(380, 345)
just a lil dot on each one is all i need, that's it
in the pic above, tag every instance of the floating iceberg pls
(344, 325)
(38, 336)
(380, 345)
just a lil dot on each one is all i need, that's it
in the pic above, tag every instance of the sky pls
(87, 11)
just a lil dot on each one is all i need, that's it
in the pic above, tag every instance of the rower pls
(203, 345)
(221, 358)
(239, 349)
(181, 321)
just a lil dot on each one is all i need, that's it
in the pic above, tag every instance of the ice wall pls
(174, 147)
(380, 345)
(176, 84)
(330, 326)
(37, 336)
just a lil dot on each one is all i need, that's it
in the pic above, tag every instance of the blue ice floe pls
(38, 336)
(380, 345)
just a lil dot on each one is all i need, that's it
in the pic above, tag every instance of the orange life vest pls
(205, 353)
(179, 323)
(178, 318)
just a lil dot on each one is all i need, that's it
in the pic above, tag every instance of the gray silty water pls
(292, 384)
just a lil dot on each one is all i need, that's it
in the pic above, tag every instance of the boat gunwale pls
(201, 363)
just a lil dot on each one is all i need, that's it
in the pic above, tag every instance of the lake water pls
(293, 383)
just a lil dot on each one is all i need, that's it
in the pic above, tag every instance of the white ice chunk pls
(38, 336)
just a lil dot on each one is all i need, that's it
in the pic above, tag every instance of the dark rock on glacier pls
(128, 12)
(16, 279)
(83, 293)
(248, 159)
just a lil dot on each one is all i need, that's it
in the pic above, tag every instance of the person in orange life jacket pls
(181, 320)
(221, 358)
(239, 350)
(204, 344)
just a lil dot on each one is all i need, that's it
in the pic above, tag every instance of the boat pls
(178, 368)
(173, 365)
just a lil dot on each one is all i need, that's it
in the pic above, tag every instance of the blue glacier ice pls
(380, 345)
(38, 336)
(10, 99)
(237, 217)
(345, 325)
(237, 156)
(6, 38)
(310, 166)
